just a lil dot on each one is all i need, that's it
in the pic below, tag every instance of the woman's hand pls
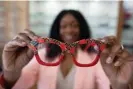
(117, 63)
(16, 55)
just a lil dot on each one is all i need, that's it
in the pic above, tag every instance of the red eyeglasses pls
(90, 46)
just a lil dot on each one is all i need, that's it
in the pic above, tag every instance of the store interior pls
(105, 18)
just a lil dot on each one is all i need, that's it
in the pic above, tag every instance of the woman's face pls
(69, 29)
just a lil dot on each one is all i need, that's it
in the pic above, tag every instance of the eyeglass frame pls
(64, 47)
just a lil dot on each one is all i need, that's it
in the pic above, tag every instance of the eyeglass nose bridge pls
(69, 49)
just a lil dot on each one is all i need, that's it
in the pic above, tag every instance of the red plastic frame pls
(64, 46)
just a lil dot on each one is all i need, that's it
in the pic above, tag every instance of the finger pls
(111, 49)
(31, 34)
(24, 37)
(114, 51)
(30, 52)
(122, 58)
(107, 67)
(118, 62)
(110, 39)
(104, 55)
(124, 54)
(14, 44)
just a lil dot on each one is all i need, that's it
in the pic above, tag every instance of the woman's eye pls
(75, 25)
(63, 26)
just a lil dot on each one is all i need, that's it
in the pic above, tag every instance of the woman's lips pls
(69, 38)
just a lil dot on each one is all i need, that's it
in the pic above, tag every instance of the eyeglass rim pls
(63, 47)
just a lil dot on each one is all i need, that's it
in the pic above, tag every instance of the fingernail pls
(117, 63)
(109, 60)
(23, 43)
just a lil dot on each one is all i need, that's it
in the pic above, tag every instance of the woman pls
(22, 71)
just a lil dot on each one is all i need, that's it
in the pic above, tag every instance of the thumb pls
(108, 68)
(30, 53)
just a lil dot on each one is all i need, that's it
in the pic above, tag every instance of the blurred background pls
(104, 17)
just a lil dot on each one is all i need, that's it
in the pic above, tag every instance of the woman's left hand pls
(117, 63)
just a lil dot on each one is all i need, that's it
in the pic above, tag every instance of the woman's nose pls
(69, 29)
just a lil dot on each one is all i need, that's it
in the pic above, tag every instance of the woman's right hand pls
(16, 55)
